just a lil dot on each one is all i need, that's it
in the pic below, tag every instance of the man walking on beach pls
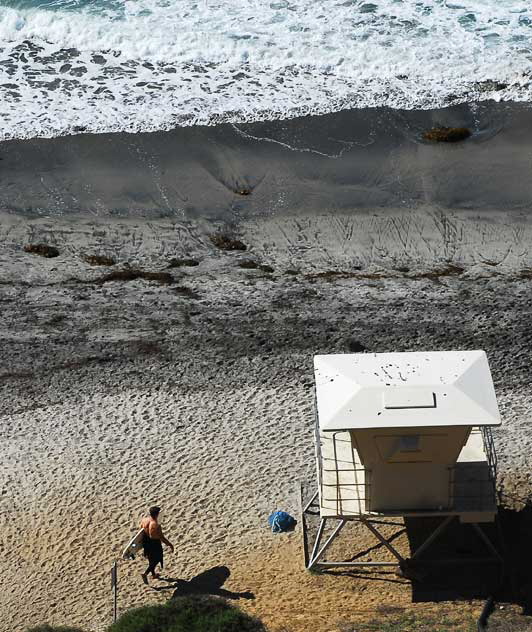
(153, 542)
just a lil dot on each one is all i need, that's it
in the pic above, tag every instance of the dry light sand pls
(198, 395)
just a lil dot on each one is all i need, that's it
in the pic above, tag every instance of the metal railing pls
(363, 499)
(489, 449)
(472, 485)
(317, 443)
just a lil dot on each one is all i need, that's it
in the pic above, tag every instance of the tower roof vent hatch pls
(399, 398)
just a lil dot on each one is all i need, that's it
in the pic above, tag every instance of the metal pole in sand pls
(114, 586)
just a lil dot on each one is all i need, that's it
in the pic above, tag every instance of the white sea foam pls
(106, 65)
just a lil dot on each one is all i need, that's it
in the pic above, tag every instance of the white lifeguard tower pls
(403, 434)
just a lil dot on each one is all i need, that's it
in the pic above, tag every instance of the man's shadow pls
(208, 582)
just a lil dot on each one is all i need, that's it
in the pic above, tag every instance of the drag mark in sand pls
(348, 144)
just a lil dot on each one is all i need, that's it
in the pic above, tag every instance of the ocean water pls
(68, 66)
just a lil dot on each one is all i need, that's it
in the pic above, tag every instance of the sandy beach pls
(197, 393)
(180, 373)
(196, 198)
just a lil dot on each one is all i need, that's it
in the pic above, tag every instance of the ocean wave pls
(68, 66)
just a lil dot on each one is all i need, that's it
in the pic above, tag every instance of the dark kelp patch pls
(132, 274)
(332, 275)
(147, 347)
(99, 260)
(74, 364)
(43, 250)
(248, 264)
(16, 375)
(226, 242)
(183, 263)
(449, 270)
(55, 320)
(447, 134)
(187, 292)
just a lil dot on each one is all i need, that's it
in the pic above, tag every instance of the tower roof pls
(387, 390)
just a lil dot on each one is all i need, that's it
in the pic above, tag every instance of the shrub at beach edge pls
(187, 614)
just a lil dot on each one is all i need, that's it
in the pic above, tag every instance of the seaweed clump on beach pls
(43, 250)
(181, 263)
(132, 274)
(447, 134)
(187, 292)
(99, 260)
(332, 275)
(147, 347)
(226, 242)
(449, 270)
(249, 264)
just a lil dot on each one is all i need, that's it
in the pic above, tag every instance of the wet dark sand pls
(348, 162)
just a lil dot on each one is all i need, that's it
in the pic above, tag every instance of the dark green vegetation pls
(188, 614)
(181, 614)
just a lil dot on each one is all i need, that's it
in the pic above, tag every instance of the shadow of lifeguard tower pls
(402, 435)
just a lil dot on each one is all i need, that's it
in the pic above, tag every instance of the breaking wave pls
(69, 66)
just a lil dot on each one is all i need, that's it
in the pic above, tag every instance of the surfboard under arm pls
(134, 547)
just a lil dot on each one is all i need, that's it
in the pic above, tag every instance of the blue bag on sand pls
(281, 521)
